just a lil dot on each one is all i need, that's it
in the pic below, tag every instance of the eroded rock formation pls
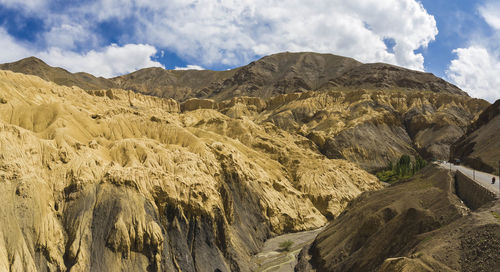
(118, 181)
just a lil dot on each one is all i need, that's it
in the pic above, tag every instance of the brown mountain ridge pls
(269, 76)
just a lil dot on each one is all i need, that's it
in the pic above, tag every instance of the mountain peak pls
(37, 67)
(276, 74)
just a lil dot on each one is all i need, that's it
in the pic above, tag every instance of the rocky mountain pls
(34, 66)
(386, 76)
(480, 146)
(417, 225)
(373, 127)
(270, 76)
(366, 113)
(267, 77)
(118, 181)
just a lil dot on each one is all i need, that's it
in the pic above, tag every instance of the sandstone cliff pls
(369, 127)
(117, 181)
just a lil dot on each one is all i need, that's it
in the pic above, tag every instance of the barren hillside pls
(113, 181)
(480, 146)
(267, 77)
(416, 225)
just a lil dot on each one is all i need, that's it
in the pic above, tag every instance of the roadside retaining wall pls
(471, 192)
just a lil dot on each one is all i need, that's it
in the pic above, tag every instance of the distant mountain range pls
(269, 76)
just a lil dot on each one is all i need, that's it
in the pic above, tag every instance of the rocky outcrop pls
(386, 76)
(479, 148)
(118, 181)
(372, 127)
(415, 225)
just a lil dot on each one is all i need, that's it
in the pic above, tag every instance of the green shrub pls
(286, 245)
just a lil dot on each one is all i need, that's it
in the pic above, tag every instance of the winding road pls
(480, 177)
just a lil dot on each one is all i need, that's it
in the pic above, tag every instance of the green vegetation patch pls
(286, 245)
(404, 168)
(496, 215)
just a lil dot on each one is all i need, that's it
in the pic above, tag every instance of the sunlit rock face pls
(117, 181)
(373, 127)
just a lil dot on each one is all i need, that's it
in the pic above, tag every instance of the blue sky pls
(456, 40)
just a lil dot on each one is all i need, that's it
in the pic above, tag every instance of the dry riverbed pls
(274, 258)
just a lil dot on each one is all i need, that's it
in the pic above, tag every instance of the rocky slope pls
(267, 77)
(368, 127)
(386, 76)
(417, 225)
(480, 146)
(372, 127)
(281, 73)
(117, 181)
(34, 66)
(400, 111)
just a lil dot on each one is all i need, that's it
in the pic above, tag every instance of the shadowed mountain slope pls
(386, 76)
(373, 127)
(415, 225)
(480, 146)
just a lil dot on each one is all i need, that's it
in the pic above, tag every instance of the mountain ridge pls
(269, 76)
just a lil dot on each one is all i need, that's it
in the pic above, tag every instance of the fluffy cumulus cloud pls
(111, 61)
(11, 50)
(189, 67)
(234, 32)
(476, 68)
(476, 71)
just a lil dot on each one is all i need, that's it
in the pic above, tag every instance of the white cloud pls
(477, 67)
(28, 5)
(68, 36)
(490, 12)
(476, 71)
(111, 61)
(190, 67)
(234, 32)
(11, 50)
